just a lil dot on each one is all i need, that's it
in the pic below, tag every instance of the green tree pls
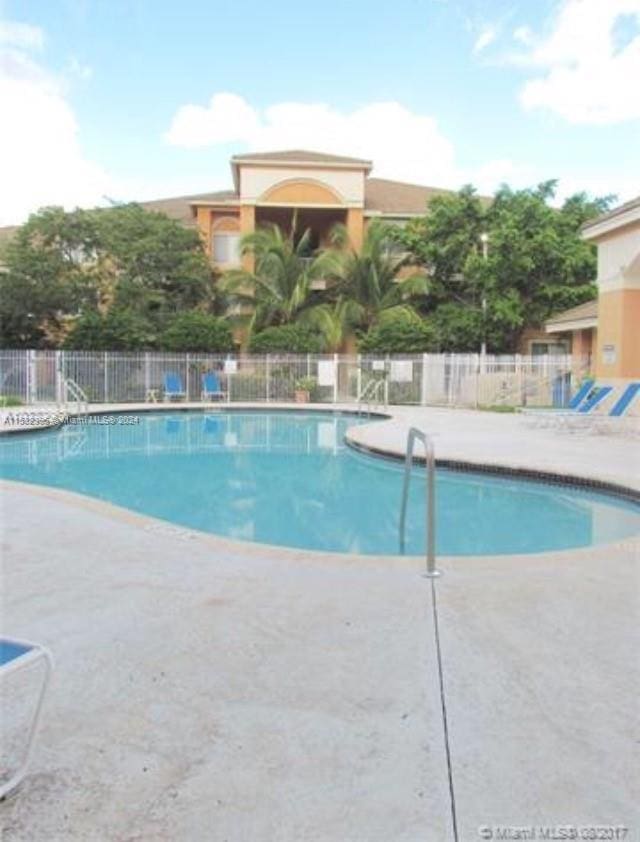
(117, 330)
(536, 263)
(47, 278)
(365, 283)
(157, 264)
(398, 335)
(279, 289)
(62, 266)
(197, 331)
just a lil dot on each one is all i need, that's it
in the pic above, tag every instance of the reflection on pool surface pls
(288, 479)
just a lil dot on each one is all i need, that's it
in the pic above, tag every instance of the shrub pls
(309, 385)
(248, 387)
(196, 331)
(288, 339)
(118, 330)
(457, 328)
(398, 336)
(10, 400)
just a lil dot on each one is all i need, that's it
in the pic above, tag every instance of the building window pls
(553, 349)
(226, 248)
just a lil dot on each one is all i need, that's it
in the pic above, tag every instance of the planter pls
(301, 396)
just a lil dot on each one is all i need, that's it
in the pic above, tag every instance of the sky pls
(118, 100)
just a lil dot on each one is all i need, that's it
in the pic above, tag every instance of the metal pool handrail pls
(430, 519)
(78, 394)
(369, 394)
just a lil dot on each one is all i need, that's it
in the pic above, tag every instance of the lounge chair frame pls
(35, 652)
(206, 394)
(168, 394)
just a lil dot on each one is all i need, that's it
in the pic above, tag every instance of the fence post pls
(188, 367)
(147, 376)
(359, 377)
(335, 378)
(476, 369)
(520, 379)
(58, 375)
(387, 374)
(423, 380)
(106, 377)
(268, 377)
(32, 384)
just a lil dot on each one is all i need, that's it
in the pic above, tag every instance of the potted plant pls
(304, 388)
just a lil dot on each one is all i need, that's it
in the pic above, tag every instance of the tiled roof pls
(381, 194)
(179, 207)
(6, 232)
(385, 196)
(627, 206)
(302, 155)
(588, 310)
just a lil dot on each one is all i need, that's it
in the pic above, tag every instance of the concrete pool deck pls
(212, 690)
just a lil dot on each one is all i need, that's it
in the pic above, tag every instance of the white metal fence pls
(424, 379)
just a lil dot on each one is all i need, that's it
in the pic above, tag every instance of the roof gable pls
(587, 311)
(299, 156)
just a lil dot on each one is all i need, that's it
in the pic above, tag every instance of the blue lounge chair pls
(14, 656)
(541, 416)
(211, 387)
(625, 400)
(594, 399)
(581, 394)
(599, 422)
(173, 387)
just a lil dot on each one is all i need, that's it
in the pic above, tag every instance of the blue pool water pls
(288, 479)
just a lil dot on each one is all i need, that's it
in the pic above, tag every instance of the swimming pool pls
(287, 478)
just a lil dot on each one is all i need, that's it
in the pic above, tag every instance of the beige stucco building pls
(608, 329)
(321, 190)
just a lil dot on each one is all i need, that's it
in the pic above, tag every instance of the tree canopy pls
(470, 270)
(536, 262)
(286, 339)
(196, 331)
(279, 289)
(64, 266)
(398, 335)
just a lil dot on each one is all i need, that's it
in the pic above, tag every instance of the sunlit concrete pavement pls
(207, 690)
(516, 441)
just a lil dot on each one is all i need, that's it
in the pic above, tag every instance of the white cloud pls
(523, 34)
(79, 70)
(403, 145)
(21, 35)
(486, 36)
(227, 119)
(41, 161)
(585, 77)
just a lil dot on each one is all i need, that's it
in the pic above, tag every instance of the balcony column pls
(247, 226)
(203, 220)
(355, 227)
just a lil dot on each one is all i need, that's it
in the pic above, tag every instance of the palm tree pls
(279, 290)
(366, 285)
